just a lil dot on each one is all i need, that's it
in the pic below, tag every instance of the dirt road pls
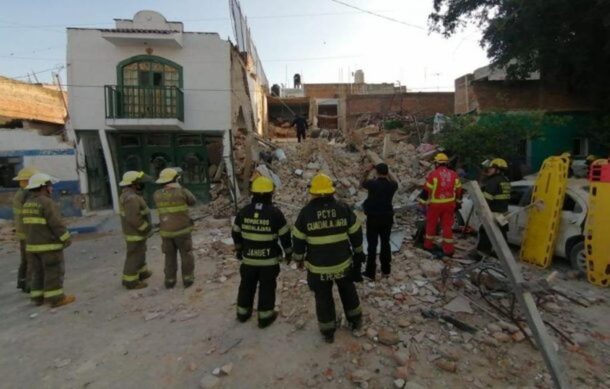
(158, 338)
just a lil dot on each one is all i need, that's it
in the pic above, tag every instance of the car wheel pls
(578, 257)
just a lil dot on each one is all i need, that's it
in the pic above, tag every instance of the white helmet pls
(39, 180)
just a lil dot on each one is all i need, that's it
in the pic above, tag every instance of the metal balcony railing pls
(143, 102)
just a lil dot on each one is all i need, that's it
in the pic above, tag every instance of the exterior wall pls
(464, 95)
(331, 91)
(205, 59)
(92, 63)
(422, 104)
(19, 100)
(528, 95)
(51, 155)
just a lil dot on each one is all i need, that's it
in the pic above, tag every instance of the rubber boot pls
(67, 299)
(243, 318)
(145, 274)
(188, 283)
(329, 337)
(263, 323)
(170, 284)
(135, 285)
(355, 324)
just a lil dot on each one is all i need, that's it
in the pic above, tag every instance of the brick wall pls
(420, 104)
(20, 100)
(528, 95)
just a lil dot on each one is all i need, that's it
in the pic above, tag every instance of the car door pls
(571, 220)
(520, 196)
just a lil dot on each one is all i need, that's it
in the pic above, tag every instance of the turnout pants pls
(444, 214)
(301, 135)
(135, 263)
(47, 272)
(171, 247)
(378, 227)
(265, 277)
(23, 279)
(325, 304)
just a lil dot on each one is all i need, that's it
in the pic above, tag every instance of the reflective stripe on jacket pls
(325, 235)
(43, 225)
(256, 231)
(496, 190)
(18, 200)
(135, 216)
(172, 202)
(443, 185)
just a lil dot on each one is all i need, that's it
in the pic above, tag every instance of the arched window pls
(149, 71)
(150, 87)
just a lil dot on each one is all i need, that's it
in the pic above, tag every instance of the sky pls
(323, 40)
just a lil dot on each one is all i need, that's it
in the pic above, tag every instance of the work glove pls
(358, 259)
(300, 265)
(458, 205)
(68, 243)
(238, 255)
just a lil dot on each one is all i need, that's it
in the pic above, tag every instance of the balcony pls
(144, 107)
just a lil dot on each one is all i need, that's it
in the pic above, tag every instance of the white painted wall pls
(20, 142)
(205, 59)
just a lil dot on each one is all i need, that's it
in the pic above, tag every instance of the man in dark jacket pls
(328, 237)
(301, 124)
(379, 218)
(256, 231)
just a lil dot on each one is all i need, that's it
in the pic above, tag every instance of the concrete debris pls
(388, 337)
(361, 376)
(226, 369)
(459, 304)
(399, 383)
(209, 382)
(446, 365)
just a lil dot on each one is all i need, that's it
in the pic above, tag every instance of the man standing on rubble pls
(328, 237)
(256, 231)
(135, 220)
(46, 239)
(175, 227)
(379, 218)
(301, 124)
(496, 190)
(21, 196)
(442, 194)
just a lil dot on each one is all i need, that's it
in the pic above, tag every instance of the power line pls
(380, 15)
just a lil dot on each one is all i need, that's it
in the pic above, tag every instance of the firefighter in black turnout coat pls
(256, 231)
(327, 236)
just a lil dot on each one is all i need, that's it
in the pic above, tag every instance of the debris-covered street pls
(111, 337)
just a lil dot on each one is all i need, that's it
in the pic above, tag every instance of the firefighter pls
(256, 231)
(46, 238)
(496, 190)
(20, 197)
(443, 191)
(328, 237)
(172, 202)
(135, 220)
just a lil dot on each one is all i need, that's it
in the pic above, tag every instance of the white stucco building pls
(147, 94)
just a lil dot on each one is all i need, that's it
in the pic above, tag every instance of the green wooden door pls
(153, 152)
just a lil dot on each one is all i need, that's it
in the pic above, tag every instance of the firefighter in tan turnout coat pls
(23, 275)
(135, 220)
(46, 237)
(172, 202)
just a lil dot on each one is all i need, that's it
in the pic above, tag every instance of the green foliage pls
(476, 138)
(598, 130)
(568, 41)
(393, 124)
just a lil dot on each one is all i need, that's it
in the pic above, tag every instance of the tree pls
(566, 40)
(476, 138)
